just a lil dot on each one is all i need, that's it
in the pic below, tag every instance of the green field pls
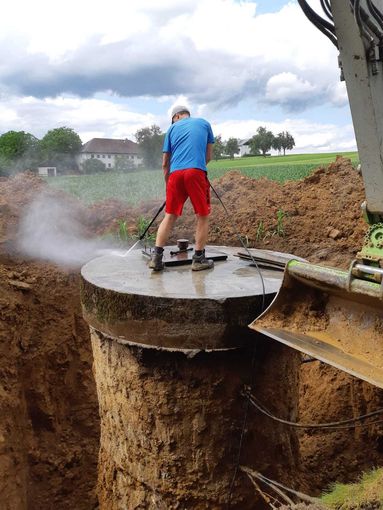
(136, 187)
(278, 168)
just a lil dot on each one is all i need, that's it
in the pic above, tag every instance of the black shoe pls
(156, 262)
(200, 262)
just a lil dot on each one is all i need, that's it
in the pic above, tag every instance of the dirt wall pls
(49, 426)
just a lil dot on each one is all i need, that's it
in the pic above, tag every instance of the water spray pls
(145, 231)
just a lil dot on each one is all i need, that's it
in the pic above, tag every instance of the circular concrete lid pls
(130, 274)
(175, 308)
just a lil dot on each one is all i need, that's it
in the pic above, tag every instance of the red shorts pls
(192, 183)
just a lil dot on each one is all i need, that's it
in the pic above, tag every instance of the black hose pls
(244, 247)
(349, 423)
(363, 21)
(375, 12)
(326, 8)
(324, 26)
(329, 7)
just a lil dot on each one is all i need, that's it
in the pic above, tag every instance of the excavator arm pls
(359, 33)
(333, 315)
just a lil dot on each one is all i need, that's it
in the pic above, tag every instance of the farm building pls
(109, 151)
(49, 170)
(244, 147)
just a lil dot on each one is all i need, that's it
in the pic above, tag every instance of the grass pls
(136, 187)
(369, 490)
(133, 188)
(278, 168)
(290, 159)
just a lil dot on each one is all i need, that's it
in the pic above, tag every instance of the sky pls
(107, 69)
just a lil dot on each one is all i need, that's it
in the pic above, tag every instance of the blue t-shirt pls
(186, 140)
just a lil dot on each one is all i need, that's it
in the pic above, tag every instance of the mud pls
(49, 421)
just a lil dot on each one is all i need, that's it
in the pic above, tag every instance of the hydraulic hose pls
(324, 26)
(326, 8)
(376, 14)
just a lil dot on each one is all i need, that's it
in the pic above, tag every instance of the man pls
(187, 149)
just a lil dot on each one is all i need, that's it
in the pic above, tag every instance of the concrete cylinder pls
(172, 420)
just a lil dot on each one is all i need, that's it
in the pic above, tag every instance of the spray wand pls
(147, 228)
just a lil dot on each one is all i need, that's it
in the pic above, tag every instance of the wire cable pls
(351, 422)
(244, 247)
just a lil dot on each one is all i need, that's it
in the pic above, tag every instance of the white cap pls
(179, 109)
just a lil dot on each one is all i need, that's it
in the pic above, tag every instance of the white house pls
(244, 148)
(107, 149)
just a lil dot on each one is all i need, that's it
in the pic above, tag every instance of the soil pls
(49, 421)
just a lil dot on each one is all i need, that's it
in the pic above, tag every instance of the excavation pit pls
(176, 309)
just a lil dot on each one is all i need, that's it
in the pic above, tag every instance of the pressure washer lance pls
(244, 246)
(146, 230)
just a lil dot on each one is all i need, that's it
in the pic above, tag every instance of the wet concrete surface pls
(230, 278)
(176, 308)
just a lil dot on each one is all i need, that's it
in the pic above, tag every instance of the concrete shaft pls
(171, 423)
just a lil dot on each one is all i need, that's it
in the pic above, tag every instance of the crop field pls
(142, 185)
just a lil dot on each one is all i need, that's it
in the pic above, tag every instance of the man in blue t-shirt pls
(187, 149)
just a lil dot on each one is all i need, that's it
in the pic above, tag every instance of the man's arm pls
(209, 152)
(166, 165)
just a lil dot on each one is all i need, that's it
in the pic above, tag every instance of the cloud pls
(219, 51)
(289, 90)
(110, 71)
(94, 117)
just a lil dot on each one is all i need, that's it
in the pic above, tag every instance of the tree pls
(150, 140)
(262, 141)
(232, 147)
(60, 146)
(93, 166)
(277, 143)
(123, 163)
(18, 151)
(254, 146)
(218, 148)
(287, 141)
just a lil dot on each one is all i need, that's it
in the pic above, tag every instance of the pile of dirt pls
(49, 424)
(321, 215)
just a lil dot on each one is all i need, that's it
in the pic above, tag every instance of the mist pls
(52, 229)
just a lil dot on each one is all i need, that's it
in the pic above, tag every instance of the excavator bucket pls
(331, 316)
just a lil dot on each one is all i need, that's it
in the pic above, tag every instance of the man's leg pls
(202, 232)
(200, 262)
(163, 233)
(198, 188)
(164, 229)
